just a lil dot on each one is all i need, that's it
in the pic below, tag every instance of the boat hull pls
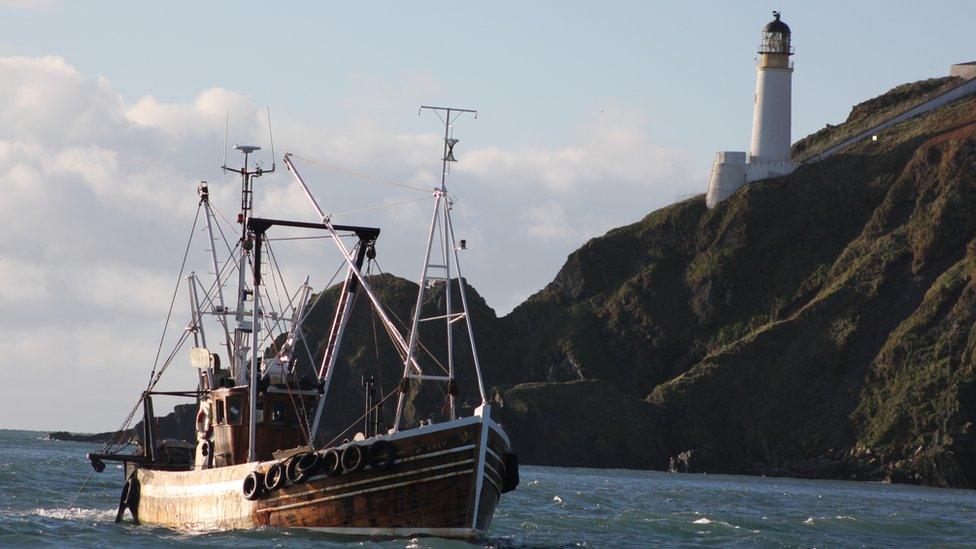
(429, 490)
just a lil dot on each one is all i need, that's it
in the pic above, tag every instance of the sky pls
(591, 115)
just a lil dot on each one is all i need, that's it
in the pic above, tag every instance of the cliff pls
(819, 324)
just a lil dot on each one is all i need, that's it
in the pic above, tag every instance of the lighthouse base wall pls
(730, 172)
(728, 175)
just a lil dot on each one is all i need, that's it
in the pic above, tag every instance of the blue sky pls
(534, 69)
(591, 116)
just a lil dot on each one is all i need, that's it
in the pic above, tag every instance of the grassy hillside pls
(818, 324)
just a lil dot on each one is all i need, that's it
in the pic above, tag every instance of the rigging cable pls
(361, 175)
(381, 206)
(356, 422)
(116, 440)
(277, 269)
(179, 281)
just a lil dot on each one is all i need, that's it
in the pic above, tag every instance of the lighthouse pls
(774, 74)
(769, 152)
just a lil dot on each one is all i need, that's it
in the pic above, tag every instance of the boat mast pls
(253, 327)
(441, 224)
(220, 309)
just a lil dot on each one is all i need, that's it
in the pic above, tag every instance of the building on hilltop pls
(963, 70)
(769, 152)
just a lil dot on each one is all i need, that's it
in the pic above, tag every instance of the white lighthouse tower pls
(769, 153)
(771, 137)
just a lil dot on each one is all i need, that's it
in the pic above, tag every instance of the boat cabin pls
(224, 441)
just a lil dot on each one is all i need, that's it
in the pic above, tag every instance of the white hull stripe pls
(364, 491)
(497, 474)
(427, 429)
(500, 432)
(166, 490)
(435, 454)
(325, 489)
(493, 483)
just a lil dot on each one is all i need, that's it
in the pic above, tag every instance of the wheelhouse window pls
(278, 410)
(219, 407)
(235, 410)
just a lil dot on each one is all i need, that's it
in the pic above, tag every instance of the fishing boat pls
(260, 458)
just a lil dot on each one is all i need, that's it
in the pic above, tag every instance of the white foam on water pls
(706, 520)
(813, 520)
(75, 513)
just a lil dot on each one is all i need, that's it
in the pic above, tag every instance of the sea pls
(41, 505)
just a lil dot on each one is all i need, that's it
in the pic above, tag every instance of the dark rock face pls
(815, 325)
(580, 424)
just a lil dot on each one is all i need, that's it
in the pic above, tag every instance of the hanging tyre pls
(308, 464)
(294, 475)
(353, 458)
(253, 485)
(381, 455)
(331, 463)
(275, 477)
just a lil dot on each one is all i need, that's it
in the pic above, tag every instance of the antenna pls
(451, 116)
(271, 137)
(226, 124)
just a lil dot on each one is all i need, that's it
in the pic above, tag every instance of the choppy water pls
(554, 507)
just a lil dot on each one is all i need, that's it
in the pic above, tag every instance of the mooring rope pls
(74, 499)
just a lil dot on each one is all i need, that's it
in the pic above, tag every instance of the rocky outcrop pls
(176, 425)
(93, 438)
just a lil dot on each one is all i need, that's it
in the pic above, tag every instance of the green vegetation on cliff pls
(818, 324)
(822, 316)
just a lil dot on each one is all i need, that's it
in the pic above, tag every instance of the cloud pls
(547, 222)
(613, 149)
(207, 114)
(31, 5)
(99, 193)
